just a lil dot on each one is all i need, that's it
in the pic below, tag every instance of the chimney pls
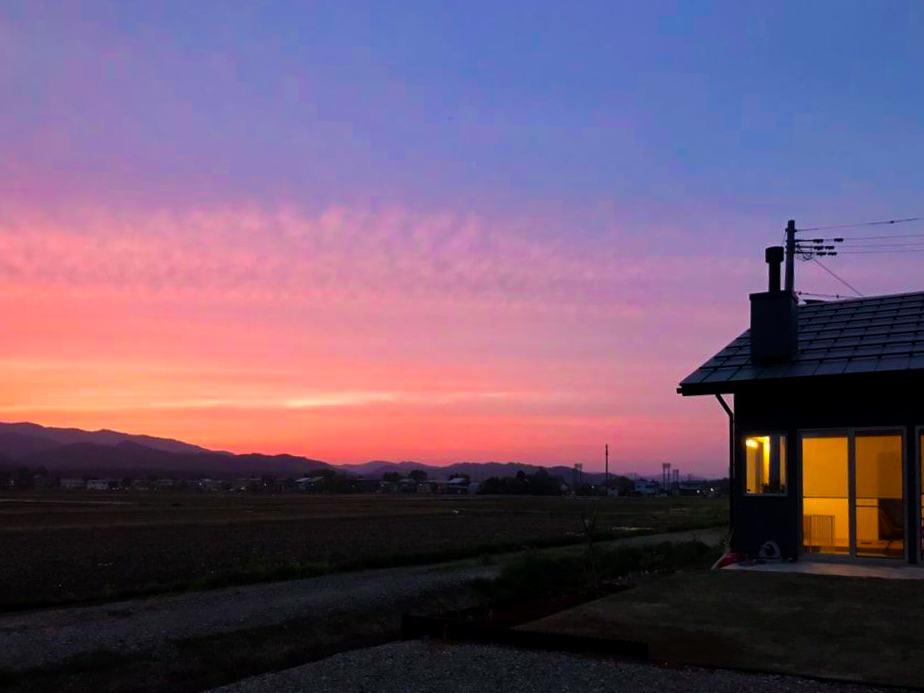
(774, 317)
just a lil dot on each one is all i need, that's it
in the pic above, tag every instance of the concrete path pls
(48, 637)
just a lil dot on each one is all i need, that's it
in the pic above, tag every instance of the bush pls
(532, 575)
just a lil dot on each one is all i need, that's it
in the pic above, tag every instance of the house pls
(306, 483)
(103, 484)
(825, 438)
(458, 484)
(73, 484)
(644, 487)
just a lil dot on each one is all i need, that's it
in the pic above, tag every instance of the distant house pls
(103, 484)
(644, 487)
(306, 482)
(73, 484)
(827, 431)
(458, 485)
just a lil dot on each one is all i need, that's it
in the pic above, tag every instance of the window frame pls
(784, 462)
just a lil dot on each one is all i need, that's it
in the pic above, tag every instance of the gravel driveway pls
(419, 666)
(47, 637)
(40, 638)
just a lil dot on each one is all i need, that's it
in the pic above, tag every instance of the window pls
(853, 500)
(766, 464)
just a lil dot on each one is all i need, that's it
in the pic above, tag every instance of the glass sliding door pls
(879, 497)
(825, 493)
(853, 493)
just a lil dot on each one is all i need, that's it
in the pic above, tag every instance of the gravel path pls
(41, 638)
(410, 667)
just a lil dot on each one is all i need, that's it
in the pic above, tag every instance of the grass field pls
(68, 547)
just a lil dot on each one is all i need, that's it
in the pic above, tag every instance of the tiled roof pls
(879, 333)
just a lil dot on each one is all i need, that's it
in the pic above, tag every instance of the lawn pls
(67, 547)
(858, 629)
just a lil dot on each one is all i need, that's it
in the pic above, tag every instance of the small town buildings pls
(73, 484)
(645, 487)
(103, 485)
(827, 430)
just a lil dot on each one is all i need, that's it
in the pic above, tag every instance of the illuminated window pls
(766, 464)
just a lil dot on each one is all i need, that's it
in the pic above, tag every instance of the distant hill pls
(111, 453)
(131, 459)
(19, 439)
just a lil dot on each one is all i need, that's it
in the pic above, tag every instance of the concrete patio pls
(901, 571)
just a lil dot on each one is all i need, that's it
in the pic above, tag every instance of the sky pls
(461, 231)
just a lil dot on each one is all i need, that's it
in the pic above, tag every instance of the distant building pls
(306, 483)
(103, 485)
(644, 487)
(73, 484)
(458, 485)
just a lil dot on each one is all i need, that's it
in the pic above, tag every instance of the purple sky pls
(403, 230)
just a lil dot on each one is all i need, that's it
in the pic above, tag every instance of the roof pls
(878, 333)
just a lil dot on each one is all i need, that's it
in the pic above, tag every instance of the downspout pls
(731, 465)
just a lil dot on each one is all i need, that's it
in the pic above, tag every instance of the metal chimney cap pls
(774, 254)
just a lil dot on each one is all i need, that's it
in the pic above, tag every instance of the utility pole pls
(607, 453)
(790, 255)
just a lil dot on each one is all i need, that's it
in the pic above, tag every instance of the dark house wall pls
(887, 399)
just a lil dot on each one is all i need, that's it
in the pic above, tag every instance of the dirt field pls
(77, 546)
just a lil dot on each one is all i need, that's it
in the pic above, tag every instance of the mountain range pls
(112, 453)
(74, 451)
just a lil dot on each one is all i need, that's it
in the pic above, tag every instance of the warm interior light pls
(751, 443)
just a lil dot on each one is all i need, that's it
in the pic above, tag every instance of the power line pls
(878, 252)
(850, 239)
(860, 246)
(865, 223)
(842, 281)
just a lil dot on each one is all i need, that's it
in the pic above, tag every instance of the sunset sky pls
(433, 231)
